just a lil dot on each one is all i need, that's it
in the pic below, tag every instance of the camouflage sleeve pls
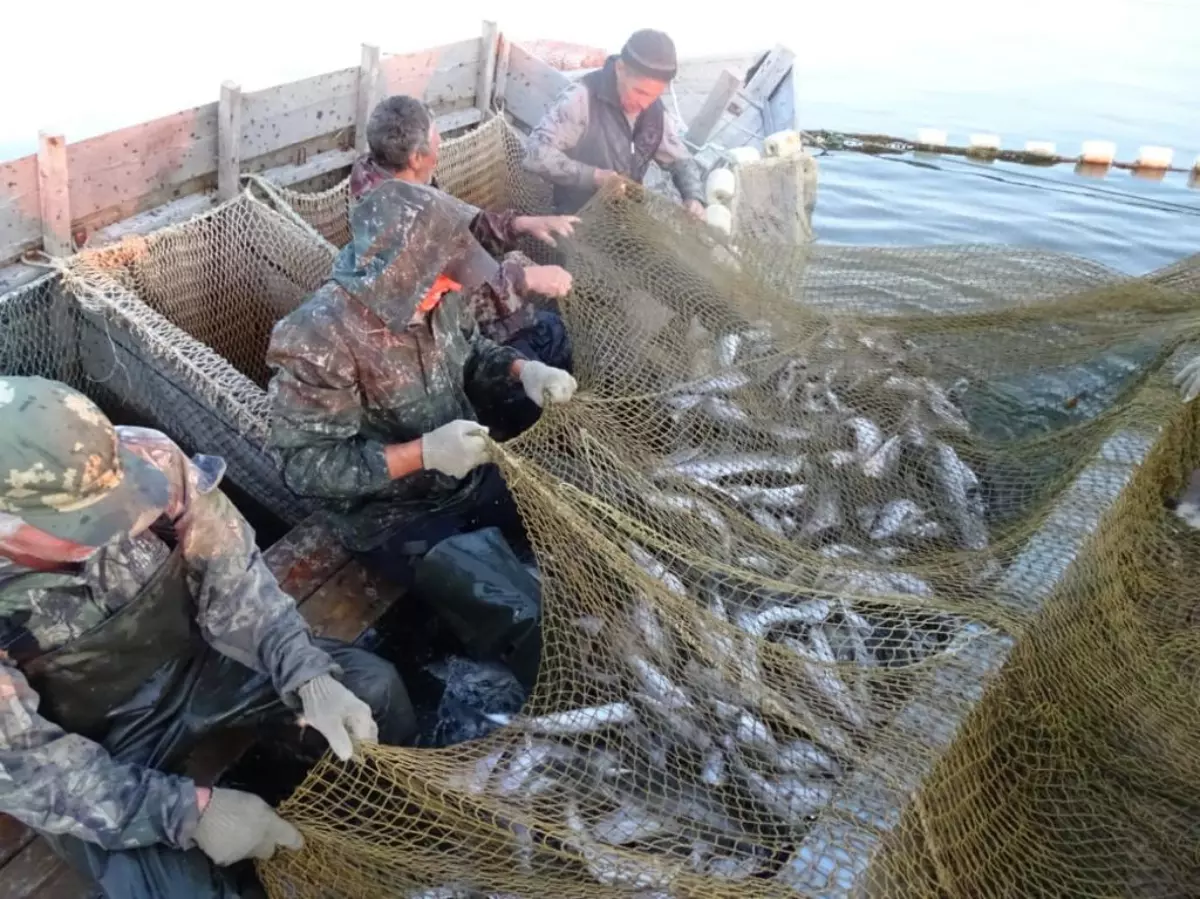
(62, 783)
(241, 609)
(557, 134)
(489, 365)
(316, 413)
(494, 231)
(673, 156)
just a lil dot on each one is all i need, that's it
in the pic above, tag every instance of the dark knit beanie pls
(651, 54)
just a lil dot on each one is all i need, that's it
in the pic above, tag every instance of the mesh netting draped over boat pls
(856, 580)
(197, 302)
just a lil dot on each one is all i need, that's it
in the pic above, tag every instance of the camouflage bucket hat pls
(63, 469)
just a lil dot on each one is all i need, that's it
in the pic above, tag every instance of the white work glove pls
(237, 826)
(337, 714)
(1188, 380)
(455, 448)
(542, 383)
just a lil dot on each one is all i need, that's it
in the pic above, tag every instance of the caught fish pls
(841, 458)
(792, 798)
(659, 685)
(526, 763)
(893, 517)
(961, 490)
(789, 379)
(805, 757)
(611, 868)
(868, 438)
(725, 411)
(646, 623)
(727, 348)
(753, 732)
(656, 569)
(769, 497)
(767, 521)
(712, 772)
(811, 612)
(575, 721)
(761, 564)
(885, 459)
(827, 515)
(726, 382)
(717, 467)
(628, 824)
(944, 408)
(703, 510)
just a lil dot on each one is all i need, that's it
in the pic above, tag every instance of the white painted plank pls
(531, 86)
(368, 94)
(321, 164)
(758, 90)
(20, 215)
(782, 104)
(502, 58)
(705, 121)
(111, 173)
(292, 113)
(485, 79)
(229, 130)
(443, 77)
(54, 195)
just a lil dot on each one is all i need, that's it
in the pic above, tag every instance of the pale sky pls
(88, 67)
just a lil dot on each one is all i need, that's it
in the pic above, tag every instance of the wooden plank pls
(37, 868)
(504, 50)
(54, 194)
(714, 107)
(321, 164)
(229, 129)
(530, 86)
(368, 94)
(762, 84)
(292, 113)
(14, 836)
(20, 215)
(305, 558)
(113, 174)
(444, 77)
(349, 603)
(485, 79)
(782, 103)
(456, 121)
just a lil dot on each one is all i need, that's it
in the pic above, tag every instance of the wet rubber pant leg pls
(166, 720)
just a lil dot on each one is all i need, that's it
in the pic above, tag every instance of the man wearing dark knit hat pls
(611, 124)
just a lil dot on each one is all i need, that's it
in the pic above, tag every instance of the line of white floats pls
(722, 182)
(1094, 152)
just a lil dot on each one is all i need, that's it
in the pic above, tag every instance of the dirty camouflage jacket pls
(500, 303)
(548, 150)
(358, 366)
(63, 783)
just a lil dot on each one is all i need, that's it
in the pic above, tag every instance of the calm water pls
(1130, 78)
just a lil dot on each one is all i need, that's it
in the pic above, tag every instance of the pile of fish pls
(731, 683)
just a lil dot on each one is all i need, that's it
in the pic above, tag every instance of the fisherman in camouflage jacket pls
(136, 615)
(374, 375)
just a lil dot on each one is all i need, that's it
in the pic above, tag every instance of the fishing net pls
(481, 167)
(856, 580)
(196, 302)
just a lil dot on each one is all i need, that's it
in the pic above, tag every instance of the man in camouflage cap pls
(136, 615)
(611, 124)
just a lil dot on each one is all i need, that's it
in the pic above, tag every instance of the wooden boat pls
(304, 135)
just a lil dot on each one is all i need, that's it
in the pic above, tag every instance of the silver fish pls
(684, 401)
(656, 569)
(706, 511)
(769, 497)
(792, 798)
(823, 676)
(892, 518)
(725, 411)
(805, 757)
(885, 459)
(839, 551)
(476, 781)
(868, 438)
(726, 382)
(753, 732)
(575, 721)
(793, 371)
(590, 625)
(727, 348)
(717, 467)
(961, 489)
(761, 564)
(813, 611)
(646, 623)
(767, 521)
(659, 685)
(712, 772)
(628, 824)
(879, 583)
(612, 868)
(827, 514)
(681, 727)
(526, 763)
(841, 458)
(943, 407)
